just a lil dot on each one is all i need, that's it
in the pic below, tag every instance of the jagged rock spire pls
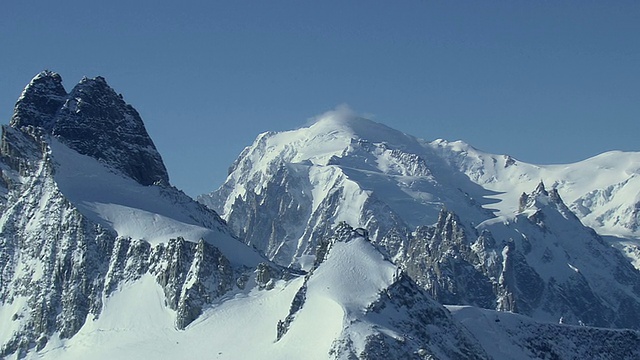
(540, 189)
(40, 101)
(93, 120)
(96, 121)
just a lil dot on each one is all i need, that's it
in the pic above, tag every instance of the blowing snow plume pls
(340, 114)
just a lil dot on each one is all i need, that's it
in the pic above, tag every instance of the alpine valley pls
(340, 240)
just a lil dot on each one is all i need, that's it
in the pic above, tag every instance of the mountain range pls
(338, 240)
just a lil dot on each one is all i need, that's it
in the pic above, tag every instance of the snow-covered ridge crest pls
(602, 190)
(370, 308)
(325, 137)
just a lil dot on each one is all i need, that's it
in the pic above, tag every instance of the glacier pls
(470, 227)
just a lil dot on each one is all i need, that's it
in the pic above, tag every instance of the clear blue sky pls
(543, 81)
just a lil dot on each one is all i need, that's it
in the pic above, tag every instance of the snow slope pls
(154, 214)
(339, 300)
(355, 304)
(136, 324)
(345, 168)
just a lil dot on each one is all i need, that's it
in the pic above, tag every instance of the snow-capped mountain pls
(287, 189)
(101, 258)
(80, 217)
(493, 246)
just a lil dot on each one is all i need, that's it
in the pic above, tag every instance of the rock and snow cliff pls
(491, 247)
(80, 218)
(288, 189)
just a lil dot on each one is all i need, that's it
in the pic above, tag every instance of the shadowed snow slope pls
(151, 213)
(534, 340)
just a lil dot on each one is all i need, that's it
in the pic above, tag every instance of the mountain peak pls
(540, 200)
(344, 120)
(93, 120)
(47, 75)
(540, 189)
(97, 122)
(40, 101)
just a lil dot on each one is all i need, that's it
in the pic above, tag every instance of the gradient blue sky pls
(543, 81)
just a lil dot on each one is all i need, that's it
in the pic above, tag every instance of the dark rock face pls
(40, 101)
(191, 274)
(544, 264)
(296, 305)
(94, 121)
(441, 260)
(288, 209)
(550, 341)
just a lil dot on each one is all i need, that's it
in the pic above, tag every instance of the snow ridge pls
(372, 310)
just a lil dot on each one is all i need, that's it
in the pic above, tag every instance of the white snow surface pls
(151, 213)
(603, 190)
(358, 155)
(416, 178)
(136, 324)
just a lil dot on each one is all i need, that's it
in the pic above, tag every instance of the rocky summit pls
(93, 120)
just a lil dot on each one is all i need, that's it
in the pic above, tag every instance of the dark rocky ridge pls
(458, 265)
(40, 101)
(93, 120)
